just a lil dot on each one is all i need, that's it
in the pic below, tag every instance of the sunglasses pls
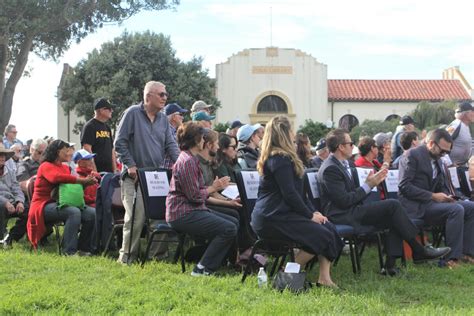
(348, 143)
(162, 94)
(442, 151)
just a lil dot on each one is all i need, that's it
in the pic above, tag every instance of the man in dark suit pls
(423, 191)
(343, 203)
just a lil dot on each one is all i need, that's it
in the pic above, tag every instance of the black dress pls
(283, 213)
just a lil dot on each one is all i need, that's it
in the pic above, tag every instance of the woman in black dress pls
(281, 211)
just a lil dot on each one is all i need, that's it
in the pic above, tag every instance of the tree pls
(221, 127)
(314, 130)
(428, 115)
(47, 28)
(120, 69)
(372, 127)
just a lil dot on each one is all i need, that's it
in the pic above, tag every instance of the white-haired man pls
(144, 137)
(461, 134)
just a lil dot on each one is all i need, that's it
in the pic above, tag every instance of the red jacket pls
(90, 191)
(49, 175)
(376, 165)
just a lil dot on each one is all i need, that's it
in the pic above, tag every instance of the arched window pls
(272, 104)
(392, 117)
(348, 122)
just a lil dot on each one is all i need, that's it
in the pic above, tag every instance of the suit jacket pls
(340, 197)
(416, 183)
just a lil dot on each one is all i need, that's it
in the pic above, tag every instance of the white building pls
(255, 84)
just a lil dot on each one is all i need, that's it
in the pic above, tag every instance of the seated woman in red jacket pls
(368, 159)
(43, 208)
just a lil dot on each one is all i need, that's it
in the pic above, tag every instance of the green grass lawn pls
(45, 283)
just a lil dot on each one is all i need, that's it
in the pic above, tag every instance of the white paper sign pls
(391, 181)
(454, 177)
(313, 184)
(231, 191)
(468, 181)
(251, 181)
(292, 267)
(157, 183)
(362, 174)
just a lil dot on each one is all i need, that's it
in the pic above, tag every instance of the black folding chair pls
(247, 183)
(464, 181)
(118, 214)
(154, 184)
(346, 232)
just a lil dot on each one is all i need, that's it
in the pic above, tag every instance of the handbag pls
(71, 194)
(295, 282)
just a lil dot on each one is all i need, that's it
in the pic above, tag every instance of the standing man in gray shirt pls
(143, 138)
(461, 134)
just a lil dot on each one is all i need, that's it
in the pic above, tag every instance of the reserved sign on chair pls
(251, 182)
(157, 183)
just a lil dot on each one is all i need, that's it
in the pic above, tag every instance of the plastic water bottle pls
(262, 278)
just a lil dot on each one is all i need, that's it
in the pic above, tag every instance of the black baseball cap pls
(464, 107)
(102, 103)
(407, 119)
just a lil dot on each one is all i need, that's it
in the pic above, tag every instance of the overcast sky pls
(363, 39)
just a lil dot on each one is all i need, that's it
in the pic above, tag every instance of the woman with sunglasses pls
(43, 209)
(282, 212)
(227, 163)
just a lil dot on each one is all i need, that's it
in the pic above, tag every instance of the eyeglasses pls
(442, 151)
(348, 143)
(161, 94)
(233, 146)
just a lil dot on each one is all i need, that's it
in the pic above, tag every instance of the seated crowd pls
(204, 162)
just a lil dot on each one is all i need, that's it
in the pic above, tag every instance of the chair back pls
(464, 181)
(391, 184)
(311, 187)
(361, 175)
(154, 184)
(30, 187)
(453, 173)
(248, 181)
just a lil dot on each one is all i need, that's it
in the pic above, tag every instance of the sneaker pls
(200, 272)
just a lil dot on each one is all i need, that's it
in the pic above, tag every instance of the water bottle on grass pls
(262, 278)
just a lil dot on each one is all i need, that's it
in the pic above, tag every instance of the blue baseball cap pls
(246, 131)
(203, 116)
(174, 108)
(82, 154)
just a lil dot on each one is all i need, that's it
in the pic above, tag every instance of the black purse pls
(295, 282)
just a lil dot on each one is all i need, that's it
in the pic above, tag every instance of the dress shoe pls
(430, 253)
(390, 271)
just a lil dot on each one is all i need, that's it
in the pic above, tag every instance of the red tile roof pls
(396, 90)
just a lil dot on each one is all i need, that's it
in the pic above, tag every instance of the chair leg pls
(357, 256)
(58, 238)
(109, 240)
(379, 250)
(353, 254)
(148, 246)
(181, 252)
(249, 263)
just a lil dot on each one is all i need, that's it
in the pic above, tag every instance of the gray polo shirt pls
(142, 143)
(461, 151)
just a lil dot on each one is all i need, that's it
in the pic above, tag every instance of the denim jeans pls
(73, 217)
(219, 229)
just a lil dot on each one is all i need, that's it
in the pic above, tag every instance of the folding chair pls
(464, 181)
(247, 183)
(154, 184)
(118, 214)
(346, 232)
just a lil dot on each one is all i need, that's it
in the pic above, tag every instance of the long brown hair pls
(277, 141)
(302, 150)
